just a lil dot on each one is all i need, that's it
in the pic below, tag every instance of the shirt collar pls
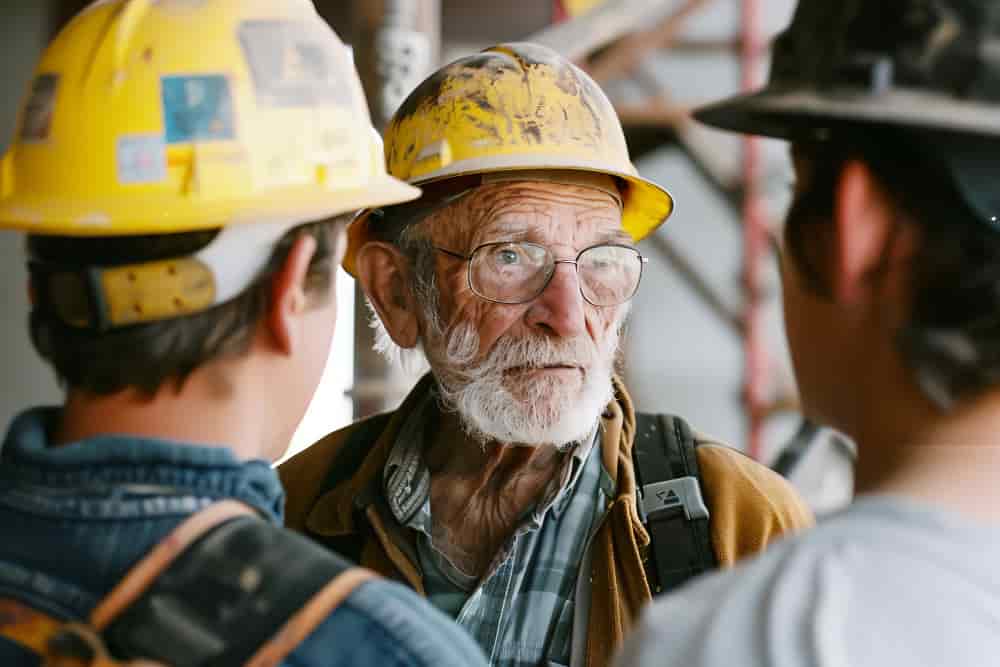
(113, 460)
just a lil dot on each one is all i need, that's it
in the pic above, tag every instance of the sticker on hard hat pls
(197, 108)
(292, 66)
(142, 158)
(37, 121)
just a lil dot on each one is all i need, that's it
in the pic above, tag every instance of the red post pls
(754, 244)
(559, 13)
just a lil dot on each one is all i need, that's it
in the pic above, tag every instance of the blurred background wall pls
(25, 27)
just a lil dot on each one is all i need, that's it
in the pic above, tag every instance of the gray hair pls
(415, 244)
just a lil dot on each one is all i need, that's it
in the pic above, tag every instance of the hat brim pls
(647, 205)
(170, 214)
(792, 113)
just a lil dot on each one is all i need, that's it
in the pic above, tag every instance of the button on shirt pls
(521, 611)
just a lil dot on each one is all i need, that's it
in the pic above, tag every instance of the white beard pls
(536, 411)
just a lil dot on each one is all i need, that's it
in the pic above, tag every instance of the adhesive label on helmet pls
(292, 65)
(37, 120)
(142, 158)
(197, 108)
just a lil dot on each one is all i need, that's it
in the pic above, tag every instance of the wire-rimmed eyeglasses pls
(513, 272)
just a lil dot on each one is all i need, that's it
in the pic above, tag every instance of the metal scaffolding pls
(755, 246)
(616, 33)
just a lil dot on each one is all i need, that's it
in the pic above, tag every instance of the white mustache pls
(515, 352)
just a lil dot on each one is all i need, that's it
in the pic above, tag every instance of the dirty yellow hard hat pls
(165, 116)
(513, 108)
(171, 116)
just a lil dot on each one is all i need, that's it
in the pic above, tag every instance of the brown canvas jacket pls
(750, 507)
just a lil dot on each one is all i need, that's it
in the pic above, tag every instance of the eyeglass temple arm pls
(453, 254)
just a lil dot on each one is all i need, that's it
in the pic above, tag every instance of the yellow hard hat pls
(166, 116)
(170, 116)
(513, 107)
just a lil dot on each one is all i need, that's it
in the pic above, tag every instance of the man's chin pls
(541, 387)
(554, 419)
(559, 435)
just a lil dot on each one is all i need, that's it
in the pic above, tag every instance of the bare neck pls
(907, 447)
(479, 493)
(454, 453)
(213, 408)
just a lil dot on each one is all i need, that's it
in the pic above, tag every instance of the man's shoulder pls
(734, 612)
(724, 468)
(864, 572)
(307, 474)
(751, 505)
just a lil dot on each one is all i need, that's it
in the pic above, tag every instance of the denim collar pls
(113, 460)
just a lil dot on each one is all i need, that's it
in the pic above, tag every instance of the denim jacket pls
(76, 518)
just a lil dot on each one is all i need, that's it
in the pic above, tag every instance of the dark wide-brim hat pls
(926, 68)
(922, 64)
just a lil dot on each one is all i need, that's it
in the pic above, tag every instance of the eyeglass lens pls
(516, 272)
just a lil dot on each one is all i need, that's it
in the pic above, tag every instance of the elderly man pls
(504, 487)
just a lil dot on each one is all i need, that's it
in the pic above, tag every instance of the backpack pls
(670, 501)
(225, 588)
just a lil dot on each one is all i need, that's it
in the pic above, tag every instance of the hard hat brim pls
(800, 112)
(647, 205)
(161, 214)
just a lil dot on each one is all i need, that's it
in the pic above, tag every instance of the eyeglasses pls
(517, 272)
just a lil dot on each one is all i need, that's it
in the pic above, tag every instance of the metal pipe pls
(755, 244)
(396, 44)
(579, 37)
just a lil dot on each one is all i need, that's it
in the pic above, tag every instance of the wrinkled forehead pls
(568, 209)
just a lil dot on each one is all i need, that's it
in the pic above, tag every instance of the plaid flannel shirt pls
(521, 611)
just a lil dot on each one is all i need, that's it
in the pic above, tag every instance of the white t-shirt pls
(884, 583)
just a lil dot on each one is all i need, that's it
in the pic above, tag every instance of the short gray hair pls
(416, 246)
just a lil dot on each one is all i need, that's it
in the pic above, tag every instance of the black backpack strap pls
(229, 594)
(670, 501)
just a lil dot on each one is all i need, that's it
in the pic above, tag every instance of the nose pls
(559, 309)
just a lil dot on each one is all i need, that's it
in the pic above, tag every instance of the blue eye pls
(508, 257)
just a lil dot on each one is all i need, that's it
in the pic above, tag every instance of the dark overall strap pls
(670, 501)
(227, 596)
(223, 589)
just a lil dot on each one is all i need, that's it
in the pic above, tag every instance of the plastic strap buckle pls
(683, 493)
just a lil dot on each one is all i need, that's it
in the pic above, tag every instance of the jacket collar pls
(107, 461)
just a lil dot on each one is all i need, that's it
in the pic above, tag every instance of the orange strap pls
(309, 617)
(26, 626)
(35, 630)
(149, 568)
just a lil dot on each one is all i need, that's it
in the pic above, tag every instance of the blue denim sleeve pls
(384, 624)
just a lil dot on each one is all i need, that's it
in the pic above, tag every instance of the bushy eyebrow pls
(513, 232)
(619, 237)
